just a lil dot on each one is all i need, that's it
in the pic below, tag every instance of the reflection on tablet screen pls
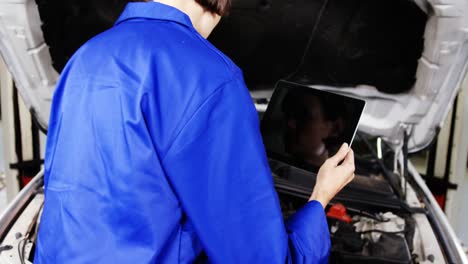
(304, 126)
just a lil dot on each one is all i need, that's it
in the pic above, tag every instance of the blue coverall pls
(154, 155)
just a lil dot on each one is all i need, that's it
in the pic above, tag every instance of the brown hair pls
(220, 7)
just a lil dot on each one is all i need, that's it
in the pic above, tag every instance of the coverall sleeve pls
(218, 168)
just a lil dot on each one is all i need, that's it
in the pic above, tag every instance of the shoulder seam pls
(199, 107)
(228, 64)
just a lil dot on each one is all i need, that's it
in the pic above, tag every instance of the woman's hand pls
(332, 177)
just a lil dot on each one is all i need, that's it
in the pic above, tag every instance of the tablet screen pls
(303, 126)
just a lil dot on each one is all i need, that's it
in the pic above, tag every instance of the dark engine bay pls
(330, 42)
(363, 237)
(366, 222)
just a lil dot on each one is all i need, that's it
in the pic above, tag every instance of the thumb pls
(349, 158)
(340, 155)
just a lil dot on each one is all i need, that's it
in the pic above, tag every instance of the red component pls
(338, 211)
(25, 180)
(440, 200)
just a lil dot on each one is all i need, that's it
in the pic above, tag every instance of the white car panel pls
(27, 56)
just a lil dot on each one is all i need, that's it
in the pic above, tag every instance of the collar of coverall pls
(154, 10)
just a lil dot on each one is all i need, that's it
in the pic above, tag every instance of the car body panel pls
(27, 56)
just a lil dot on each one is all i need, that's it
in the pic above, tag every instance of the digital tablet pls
(303, 126)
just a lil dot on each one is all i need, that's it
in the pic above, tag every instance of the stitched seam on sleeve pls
(202, 104)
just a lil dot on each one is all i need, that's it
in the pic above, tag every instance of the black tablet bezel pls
(267, 116)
